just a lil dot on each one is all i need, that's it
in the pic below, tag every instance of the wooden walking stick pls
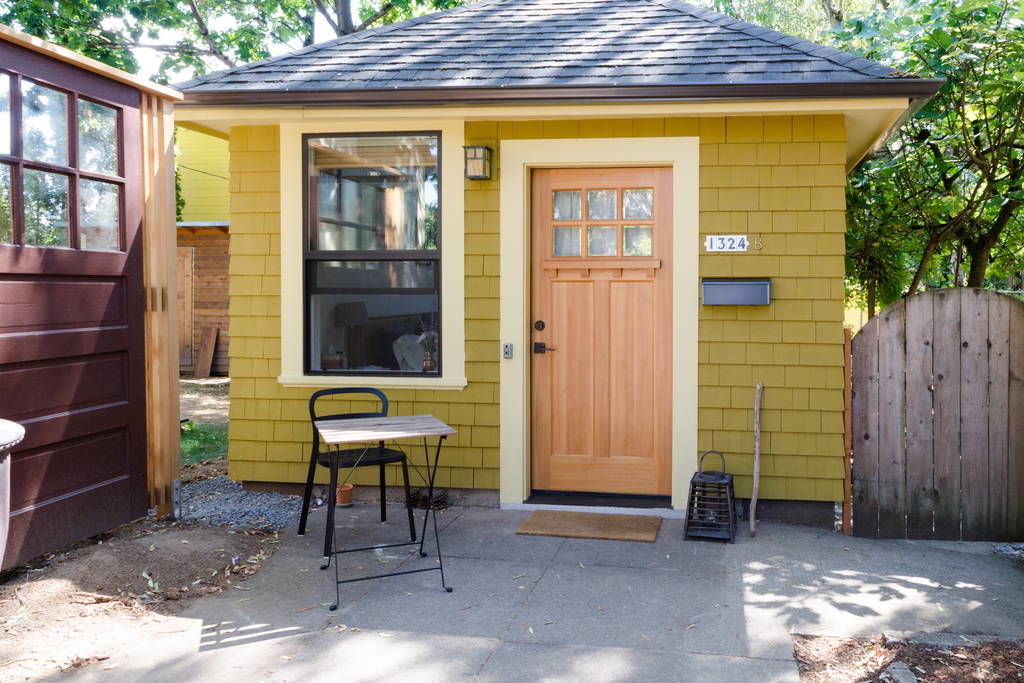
(757, 457)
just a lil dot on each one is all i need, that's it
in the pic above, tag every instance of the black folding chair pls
(339, 458)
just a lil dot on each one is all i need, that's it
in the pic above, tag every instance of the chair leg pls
(307, 494)
(332, 501)
(408, 502)
(383, 497)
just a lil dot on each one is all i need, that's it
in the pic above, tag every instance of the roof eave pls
(913, 88)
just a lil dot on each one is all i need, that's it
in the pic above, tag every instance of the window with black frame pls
(372, 256)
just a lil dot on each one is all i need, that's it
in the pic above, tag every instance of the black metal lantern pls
(710, 510)
(478, 162)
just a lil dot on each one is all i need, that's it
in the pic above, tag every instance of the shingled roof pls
(556, 49)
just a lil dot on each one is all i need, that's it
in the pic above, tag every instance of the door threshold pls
(587, 498)
(620, 504)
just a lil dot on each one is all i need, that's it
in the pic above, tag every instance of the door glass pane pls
(566, 205)
(5, 114)
(98, 215)
(636, 240)
(567, 241)
(373, 192)
(361, 275)
(97, 138)
(601, 205)
(6, 218)
(44, 124)
(637, 204)
(601, 240)
(46, 209)
(377, 332)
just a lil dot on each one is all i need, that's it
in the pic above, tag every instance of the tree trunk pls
(343, 8)
(872, 298)
(980, 252)
(833, 14)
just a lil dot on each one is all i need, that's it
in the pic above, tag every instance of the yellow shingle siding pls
(202, 162)
(778, 179)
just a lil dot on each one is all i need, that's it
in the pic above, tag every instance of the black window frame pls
(16, 161)
(310, 258)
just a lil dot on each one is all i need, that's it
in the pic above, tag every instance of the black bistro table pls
(391, 428)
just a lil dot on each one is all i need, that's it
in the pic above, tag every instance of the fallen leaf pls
(645, 637)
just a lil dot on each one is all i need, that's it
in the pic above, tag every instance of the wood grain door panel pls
(601, 400)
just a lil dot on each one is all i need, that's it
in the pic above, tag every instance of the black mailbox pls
(735, 291)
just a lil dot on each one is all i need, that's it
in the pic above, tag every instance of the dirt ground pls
(63, 610)
(839, 660)
(205, 401)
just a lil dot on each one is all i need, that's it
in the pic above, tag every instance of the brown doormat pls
(591, 525)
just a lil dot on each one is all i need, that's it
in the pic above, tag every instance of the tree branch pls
(388, 6)
(204, 32)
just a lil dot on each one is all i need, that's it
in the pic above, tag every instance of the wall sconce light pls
(478, 162)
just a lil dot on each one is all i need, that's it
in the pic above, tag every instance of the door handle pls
(541, 347)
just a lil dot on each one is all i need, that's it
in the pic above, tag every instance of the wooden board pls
(363, 429)
(847, 432)
(920, 483)
(865, 430)
(946, 415)
(974, 476)
(204, 359)
(185, 280)
(1015, 431)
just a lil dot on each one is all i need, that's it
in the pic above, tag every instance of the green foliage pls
(948, 186)
(204, 34)
(201, 442)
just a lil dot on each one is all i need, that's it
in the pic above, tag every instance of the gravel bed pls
(1014, 550)
(220, 501)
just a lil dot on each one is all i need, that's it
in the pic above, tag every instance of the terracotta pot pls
(344, 495)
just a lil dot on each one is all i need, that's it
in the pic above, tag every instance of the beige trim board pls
(30, 42)
(256, 115)
(868, 120)
(453, 285)
(517, 158)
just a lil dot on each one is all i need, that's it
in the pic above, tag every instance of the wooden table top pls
(381, 428)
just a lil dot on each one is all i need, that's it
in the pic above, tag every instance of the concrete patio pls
(530, 608)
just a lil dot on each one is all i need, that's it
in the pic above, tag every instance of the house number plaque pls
(726, 243)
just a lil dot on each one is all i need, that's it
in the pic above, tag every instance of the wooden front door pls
(72, 332)
(601, 330)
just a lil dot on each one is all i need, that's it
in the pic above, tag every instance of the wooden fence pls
(938, 418)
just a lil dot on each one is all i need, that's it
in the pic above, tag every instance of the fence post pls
(847, 433)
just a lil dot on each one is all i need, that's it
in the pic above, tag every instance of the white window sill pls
(332, 381)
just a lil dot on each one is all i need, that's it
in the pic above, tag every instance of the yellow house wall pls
(202, 162)
(779, 179)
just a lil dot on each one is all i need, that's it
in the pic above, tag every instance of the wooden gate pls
(938, 418)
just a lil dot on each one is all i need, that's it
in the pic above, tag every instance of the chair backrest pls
(313, 415)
